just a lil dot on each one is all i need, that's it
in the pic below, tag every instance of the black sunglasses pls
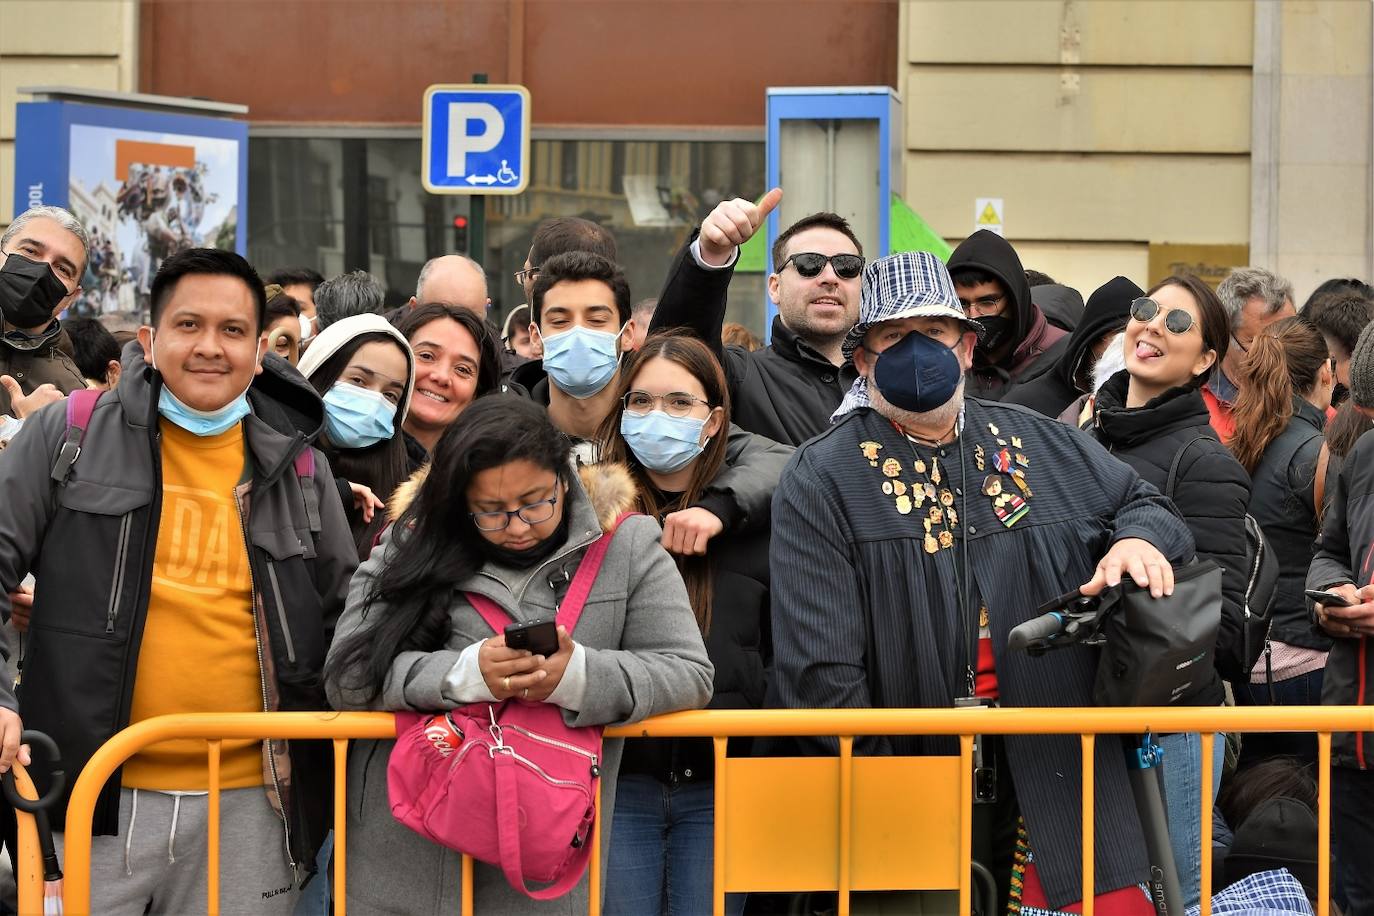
(1177, 321)
(809, 264)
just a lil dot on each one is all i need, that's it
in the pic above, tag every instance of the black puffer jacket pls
(1282, 501)
(1052, 390)
(740, 647)
(1211, 489)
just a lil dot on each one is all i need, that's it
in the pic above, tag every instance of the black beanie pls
(1362, 369)
(1279, 833)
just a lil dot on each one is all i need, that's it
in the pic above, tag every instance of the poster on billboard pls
(143, 197)
(146, 185)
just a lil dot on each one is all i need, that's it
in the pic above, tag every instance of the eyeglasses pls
(674, 403)
(809, 264)
(532, 514)
(980, 307)
(523, 276)
(1176, 321)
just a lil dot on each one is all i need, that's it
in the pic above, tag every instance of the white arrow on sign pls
(480, 179)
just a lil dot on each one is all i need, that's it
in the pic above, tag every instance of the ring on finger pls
(505, 683)
(527, 693)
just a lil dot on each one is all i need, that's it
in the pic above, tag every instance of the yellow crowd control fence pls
(867, 823)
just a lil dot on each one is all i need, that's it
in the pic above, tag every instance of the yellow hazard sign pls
(987, 214)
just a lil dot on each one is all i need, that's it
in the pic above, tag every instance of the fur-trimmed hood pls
(608, 487)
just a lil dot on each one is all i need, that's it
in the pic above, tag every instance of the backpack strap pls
(1178, 459)
(80, 406)
(571, 607)
(304, 466)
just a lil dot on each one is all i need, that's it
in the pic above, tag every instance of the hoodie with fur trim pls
(1031, 334)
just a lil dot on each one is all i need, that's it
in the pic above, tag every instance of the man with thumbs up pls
(787, 390)
(42, 258)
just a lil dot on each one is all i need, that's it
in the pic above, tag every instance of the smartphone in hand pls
(539, 637)
(1328, 599)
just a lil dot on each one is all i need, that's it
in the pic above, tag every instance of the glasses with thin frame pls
(810, 264)
(1176, 321)
(526, 275)
(674, 403)
(532, 514)
(981, 306)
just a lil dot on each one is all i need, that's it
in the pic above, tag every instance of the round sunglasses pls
(809, 264)
(1176, 321)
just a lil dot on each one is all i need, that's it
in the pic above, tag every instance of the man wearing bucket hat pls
(915, 533)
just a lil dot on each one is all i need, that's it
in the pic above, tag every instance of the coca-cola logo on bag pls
(443, 734)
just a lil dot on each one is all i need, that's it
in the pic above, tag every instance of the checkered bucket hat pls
(907, 285)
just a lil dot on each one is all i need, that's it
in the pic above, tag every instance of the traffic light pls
(460, 234)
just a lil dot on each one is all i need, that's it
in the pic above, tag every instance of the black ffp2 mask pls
(29, 292)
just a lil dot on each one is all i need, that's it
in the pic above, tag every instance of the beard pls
(942, 417)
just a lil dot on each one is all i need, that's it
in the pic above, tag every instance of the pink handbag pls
(507, 783)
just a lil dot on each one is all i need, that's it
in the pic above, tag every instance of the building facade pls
(1122, 136)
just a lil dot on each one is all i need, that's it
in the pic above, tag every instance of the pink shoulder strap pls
(571, 607)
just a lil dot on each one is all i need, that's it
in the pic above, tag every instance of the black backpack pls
(1261, 587)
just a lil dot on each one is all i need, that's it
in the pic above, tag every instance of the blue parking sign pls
(476, 139)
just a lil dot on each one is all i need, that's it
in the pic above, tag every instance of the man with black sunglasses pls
(787, 390)
(992, 287)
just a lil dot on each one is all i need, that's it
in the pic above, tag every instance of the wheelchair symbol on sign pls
(506, 174)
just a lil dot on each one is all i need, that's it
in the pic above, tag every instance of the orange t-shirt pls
(199, 651)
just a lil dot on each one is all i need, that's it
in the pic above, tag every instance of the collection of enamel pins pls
(940, 519)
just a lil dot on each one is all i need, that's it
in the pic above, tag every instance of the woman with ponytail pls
(669, 428)
(1285, 384)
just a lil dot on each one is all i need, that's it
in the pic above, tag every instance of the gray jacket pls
(644, 657)
(90, 541)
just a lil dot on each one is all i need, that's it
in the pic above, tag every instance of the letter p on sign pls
(465, 137)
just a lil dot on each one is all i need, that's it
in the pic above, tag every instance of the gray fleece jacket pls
(642, 656)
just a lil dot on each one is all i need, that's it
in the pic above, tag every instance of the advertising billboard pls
(145, 184)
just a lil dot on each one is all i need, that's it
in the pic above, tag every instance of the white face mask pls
(307, 328)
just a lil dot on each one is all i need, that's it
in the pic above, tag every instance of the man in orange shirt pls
(1255, 299)
(191, 555)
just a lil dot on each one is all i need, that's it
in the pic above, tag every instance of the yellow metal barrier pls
(857, 818)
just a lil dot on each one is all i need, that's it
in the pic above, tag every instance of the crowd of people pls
(290, 494)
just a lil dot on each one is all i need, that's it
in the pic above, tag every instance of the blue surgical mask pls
(201, 422)
(357, 417)
(581, 361)
(918, 373)
(662, 443)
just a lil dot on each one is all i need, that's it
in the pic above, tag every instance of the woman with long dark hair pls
(457, 360)
(1285, 384)
(501, 513)
(1153, 417)
(365, 372)
(669, 428)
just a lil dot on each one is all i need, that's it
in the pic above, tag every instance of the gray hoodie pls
(643, 654)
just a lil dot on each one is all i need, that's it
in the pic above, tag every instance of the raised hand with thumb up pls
(21, 404)
(731, 224)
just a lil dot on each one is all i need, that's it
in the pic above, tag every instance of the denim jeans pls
(1352, 831)
(1183, 798)
(315, 896)
(1303, 690)
(662, 850)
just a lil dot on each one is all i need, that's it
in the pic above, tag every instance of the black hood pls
(990, 252)
(1062, 305)
(1108, 309)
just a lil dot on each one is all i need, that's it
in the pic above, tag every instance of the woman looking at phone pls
(501, 513)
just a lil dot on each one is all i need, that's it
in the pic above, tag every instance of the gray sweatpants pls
(158, 861)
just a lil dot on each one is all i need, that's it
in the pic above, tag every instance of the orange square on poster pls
(128, 152)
